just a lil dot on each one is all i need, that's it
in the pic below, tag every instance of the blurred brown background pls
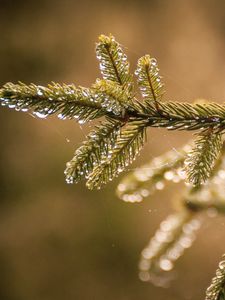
(60, 241)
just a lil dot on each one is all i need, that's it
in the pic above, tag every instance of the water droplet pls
(181, 173)
(68, 164)
(144, 265)
(216, 119)
(169, 175)
(136, 72)
(39, 92)
(145, 192)
(124, 58)
(144, 276)
(186, 242)
(222, 265)
(176, 179)
(159, 185)
(99, 56)
(165, 264)
(11, 105)
(102, 67)
(69, 179)
(40, 115)
(61, 117)
(121, 187)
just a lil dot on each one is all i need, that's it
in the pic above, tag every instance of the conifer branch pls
(172, 238)
(65, 100)
(127, 147)
(185, 116)
(175, 234)
(116, 142)
(149, 81)
(211, 195)
(119, 97)
(202, 158)
(99, 142)
(143, 181)
(113, 62)
(106, 99)
(210, 198)
(216, 291)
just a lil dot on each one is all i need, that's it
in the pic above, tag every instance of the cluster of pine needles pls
(115, 143)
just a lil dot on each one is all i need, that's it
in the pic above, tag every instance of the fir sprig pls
(116, 142)
(126, 148)
(145, 180)
(149, 80)
(175, 234)
(113, 62)
(216, 291)
(202, 158)
(185, 116)
(99, 141)
(107, 99)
